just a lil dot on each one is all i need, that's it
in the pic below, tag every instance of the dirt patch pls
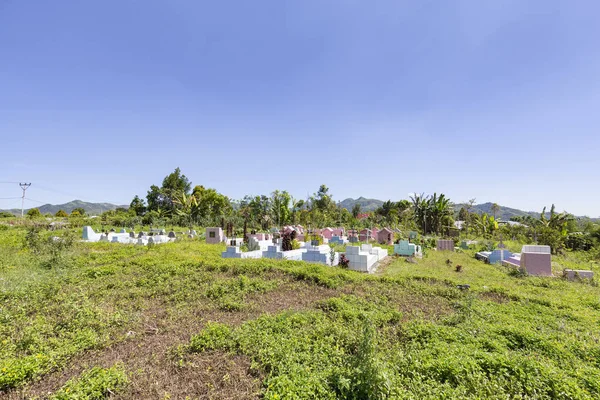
(294, 296)
(383, 264)
(500, 298)
(411, 305)
(155, 372)
(214, 375)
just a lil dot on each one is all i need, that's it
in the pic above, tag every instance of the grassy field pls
(175, 321)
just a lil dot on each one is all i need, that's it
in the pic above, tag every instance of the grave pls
(256, 244)
(498, 256)
(377, 251)
(171, 235)
(445, 245)
(338, 232)
(576, 274)
(234, 252)
(234, 241)
(132, 234)
(275, 252)
(338, 239)
(407, 249)
(385, 236)
(327, 233)
(360, 260)
(214, 235)
(320, 254)
(465, 244)
(365, 235)
(89, 234)
(536, 260)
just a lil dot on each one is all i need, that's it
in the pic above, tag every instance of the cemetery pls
(334, 295)
(123, 237)
(364, 259)
(533, 259)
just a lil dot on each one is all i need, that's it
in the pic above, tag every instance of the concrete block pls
(575, 274)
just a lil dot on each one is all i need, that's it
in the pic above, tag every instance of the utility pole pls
(24, 187)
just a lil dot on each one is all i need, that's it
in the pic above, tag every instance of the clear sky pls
(497, 100)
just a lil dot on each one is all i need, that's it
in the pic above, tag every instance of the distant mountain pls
(90, 208)
(365, 204)
(506, 213)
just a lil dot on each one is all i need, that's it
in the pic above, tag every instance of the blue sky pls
(496, 100)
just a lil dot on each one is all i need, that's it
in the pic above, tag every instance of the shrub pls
(34, 213)
(344, 262)
(52, 251)
(94, 384)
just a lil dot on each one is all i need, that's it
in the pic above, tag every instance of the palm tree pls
(495, 209)
(420, 206)
(185, 205)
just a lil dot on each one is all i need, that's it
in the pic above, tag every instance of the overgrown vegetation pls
(94, 384)
(416, 330)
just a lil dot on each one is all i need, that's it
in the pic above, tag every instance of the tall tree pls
(161, 198)
(138, 206)
(280, 207)
(356, 210)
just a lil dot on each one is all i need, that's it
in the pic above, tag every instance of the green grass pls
(94, 384)
(407, 332)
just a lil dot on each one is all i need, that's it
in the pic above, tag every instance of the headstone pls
(445, 245)
(214, 235)
(89, 234)
(575, 274)
(171, 235)
(536, 260)
(132, 234)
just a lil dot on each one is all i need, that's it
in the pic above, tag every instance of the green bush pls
(94, 384)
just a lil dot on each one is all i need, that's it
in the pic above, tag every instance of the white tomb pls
(320, 254)
(234, 252)
(378, 251)
(360, 260)
(275, 252)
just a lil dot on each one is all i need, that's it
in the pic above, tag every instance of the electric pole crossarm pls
(24, 187)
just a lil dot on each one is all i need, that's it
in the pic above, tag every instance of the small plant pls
(52, 251)
(94, 384)
(286, 242)
(458, 268)
(344, 262)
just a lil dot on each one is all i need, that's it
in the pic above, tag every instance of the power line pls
(37, 201)
(9, 198)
